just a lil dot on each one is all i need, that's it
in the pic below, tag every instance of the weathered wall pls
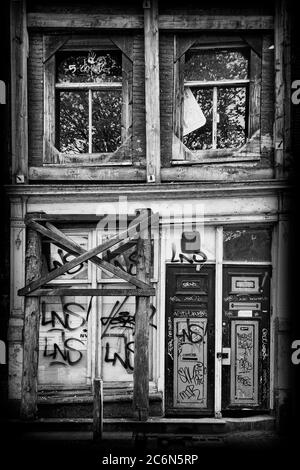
(166, 52)
(35, 99)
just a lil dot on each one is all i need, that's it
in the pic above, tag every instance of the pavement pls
(77, 449)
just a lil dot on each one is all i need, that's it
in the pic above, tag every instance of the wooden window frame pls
(52, 44)
(250, 151)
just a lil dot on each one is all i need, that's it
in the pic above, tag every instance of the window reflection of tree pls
(89, 120)
(217, 66)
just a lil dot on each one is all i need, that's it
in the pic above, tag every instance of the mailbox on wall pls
(246, 334)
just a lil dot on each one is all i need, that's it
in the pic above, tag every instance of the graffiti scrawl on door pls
(190, 341)
(118, 328)
(64, 335)
(63, 340)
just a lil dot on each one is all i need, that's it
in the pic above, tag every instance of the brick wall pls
(267, 99)
(166, 52)
(138, 98)
(35, 100)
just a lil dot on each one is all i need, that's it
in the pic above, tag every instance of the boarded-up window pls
(82, 335)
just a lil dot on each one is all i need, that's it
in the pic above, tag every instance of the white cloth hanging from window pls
(193, 117)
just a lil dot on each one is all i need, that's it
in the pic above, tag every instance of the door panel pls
(244, 366)
(190, 362)
(246, 333)
(189, 340)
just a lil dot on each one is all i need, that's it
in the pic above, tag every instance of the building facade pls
(182, 111)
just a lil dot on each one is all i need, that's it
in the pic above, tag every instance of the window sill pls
(78, 394)
(238, 158)
(105, 173)
(84, 163)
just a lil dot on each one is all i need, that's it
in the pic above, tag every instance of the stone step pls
(155, 425)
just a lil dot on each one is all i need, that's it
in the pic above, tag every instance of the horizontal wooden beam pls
(75, 21)
(211, 83)
(87, 21)
(86, 173)
(88, 85)
(61, 291)
(76, 218)
(205, 172)
(215, 22)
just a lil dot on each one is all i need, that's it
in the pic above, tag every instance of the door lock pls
(225, 356)
(222, 355)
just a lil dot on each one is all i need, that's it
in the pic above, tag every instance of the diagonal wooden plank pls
(109, 255)
(57, 236)
(140, 224)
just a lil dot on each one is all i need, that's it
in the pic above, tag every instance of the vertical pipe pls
(90, 121)
(215, 117)
(218, 321)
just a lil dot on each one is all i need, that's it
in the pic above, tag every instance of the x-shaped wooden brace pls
(60, 239)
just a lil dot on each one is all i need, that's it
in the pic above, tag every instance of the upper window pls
(89, 102)
(88, 117)
(217, 99)
(218, 81)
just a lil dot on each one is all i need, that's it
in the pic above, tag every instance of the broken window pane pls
(207, 65)
(73, 122)
(232, 116)
(107, 107)
(201, 139)
(247, 244)
(92, 66)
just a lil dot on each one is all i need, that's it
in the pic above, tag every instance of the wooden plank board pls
(98, 410)
(282, 131)
(65, 291)
(254, 93)
(33, 270)
(215, 22)
(166, 22)
(86, 173)
(178, 92)
(205, 172)
(61, 218)
(51, 154)
(140, 224)
(141, 336)
(89, 21)
(19, 102)
(152, 95)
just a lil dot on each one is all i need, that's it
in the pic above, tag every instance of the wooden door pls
(189, 340)
(246, 337)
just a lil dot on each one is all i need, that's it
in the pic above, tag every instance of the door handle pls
(222, 355)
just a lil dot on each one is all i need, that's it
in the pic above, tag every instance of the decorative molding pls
(112, 192)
